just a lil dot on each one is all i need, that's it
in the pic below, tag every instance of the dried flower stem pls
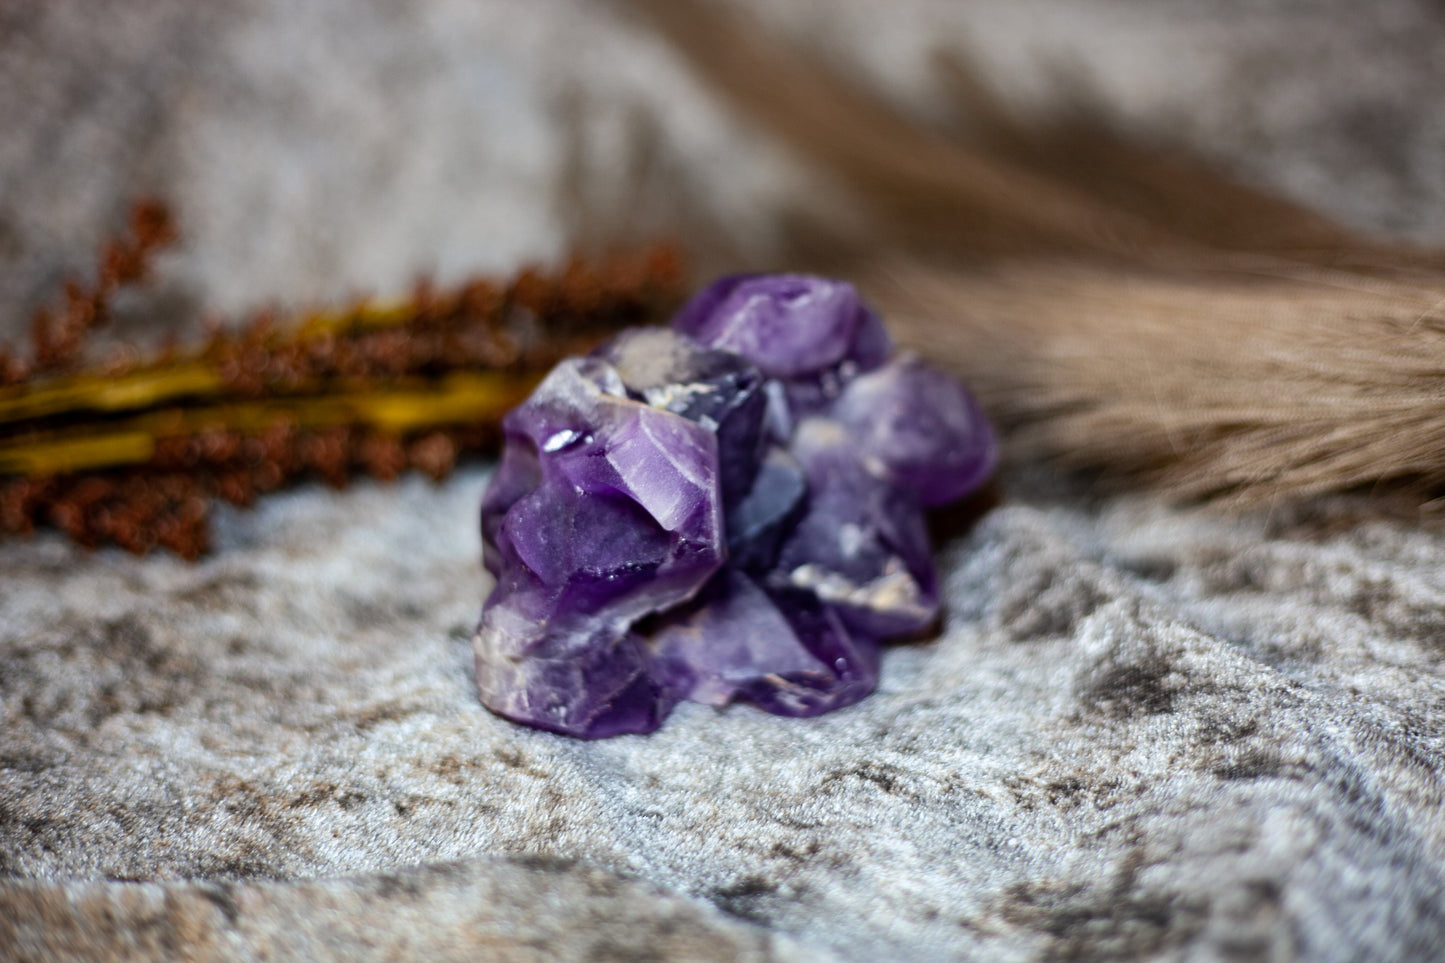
(135, 454)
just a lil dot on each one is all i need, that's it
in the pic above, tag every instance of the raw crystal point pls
(920, 429)
(729, 510)
(862, 547)
(789, 325)
(783, 651)
(811, 335)
(718, 389)
(604, 509)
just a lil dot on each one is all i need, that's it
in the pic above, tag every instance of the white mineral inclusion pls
(560, 440)
(894, 590)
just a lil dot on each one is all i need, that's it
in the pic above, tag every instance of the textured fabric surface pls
(1142, 731)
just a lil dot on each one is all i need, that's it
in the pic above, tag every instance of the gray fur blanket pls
(1142, 732)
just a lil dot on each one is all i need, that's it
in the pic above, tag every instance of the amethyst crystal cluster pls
(732, 508)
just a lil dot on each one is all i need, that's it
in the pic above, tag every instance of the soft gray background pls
(1144, 731)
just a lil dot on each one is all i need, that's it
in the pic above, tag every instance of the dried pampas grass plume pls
(1241, 387)
(1117, 309)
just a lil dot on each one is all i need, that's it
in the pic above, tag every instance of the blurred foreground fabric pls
(1143, 732)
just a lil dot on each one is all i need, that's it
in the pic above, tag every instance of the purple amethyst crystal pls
(729, 510)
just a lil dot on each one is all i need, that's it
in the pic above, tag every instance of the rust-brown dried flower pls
(132, 451)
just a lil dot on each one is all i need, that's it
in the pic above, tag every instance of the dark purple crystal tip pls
(730, 509)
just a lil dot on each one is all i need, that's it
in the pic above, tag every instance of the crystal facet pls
(730, 509)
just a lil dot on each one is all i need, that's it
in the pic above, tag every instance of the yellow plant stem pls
(101, 393)
(396, 409)
(188, 377)
(366, 316)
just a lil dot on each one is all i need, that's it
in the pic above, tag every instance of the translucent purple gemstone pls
(789, 325)
(730, 510)
(784, 651)
(920, 429)
(862, 546)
